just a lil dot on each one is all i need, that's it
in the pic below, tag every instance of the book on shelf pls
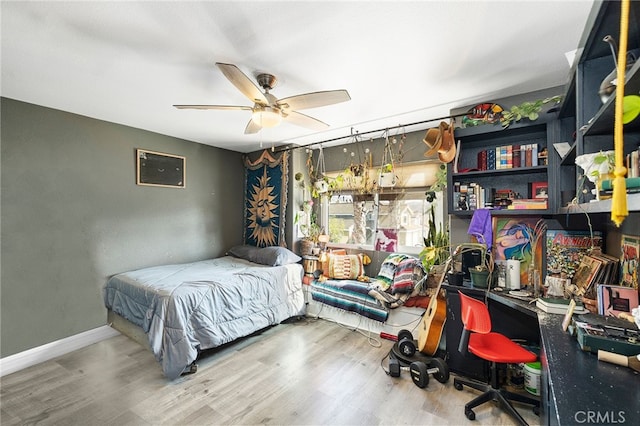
(615, 299)
(629, 259)
(516, 156)
(482, 160)
(632, 162)
(558, 305)
(608, 193)
(566, 248)
(630, 183)
(528, 204)
(534, 154)
(491, 159)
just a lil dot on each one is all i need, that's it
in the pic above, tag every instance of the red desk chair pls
(478, 339)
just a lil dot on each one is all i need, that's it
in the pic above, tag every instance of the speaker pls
(470, 259)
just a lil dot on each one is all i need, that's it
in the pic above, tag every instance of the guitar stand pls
(403, 353)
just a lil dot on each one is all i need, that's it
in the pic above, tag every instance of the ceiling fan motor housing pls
(267, 81)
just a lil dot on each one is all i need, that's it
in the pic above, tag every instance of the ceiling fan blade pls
(314, 99)
(243, 83)
(302, 120)
(252, 127)
(227, 107)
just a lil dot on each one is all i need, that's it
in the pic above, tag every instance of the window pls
(352, 219)
(403, 216)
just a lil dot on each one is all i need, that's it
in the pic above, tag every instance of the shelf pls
(633, 205)
(602, 123)
(506, 212)
(570, 157)
(494, 172)
(489, 129)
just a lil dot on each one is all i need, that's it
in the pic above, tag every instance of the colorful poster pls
(517, 238)
(630, 251)
(565, 249)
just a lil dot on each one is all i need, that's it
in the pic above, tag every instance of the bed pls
(187, 308)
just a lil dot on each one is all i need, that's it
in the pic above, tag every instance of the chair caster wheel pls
(470, 414)
(536, 411)
(457, 385)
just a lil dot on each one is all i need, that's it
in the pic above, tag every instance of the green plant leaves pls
(631, 108)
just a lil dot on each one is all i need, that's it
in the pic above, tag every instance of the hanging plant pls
(319, 181)
(387, 177)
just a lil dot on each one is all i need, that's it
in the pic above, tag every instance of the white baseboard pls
(16, 362)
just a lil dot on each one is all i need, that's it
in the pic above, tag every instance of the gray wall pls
(72, 215)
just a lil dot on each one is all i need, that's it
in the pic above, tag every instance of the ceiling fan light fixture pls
(266, 116)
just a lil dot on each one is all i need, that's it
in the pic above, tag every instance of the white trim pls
(19, 361)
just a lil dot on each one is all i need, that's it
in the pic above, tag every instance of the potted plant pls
(311, 232)
(436, 247)
(597, 166)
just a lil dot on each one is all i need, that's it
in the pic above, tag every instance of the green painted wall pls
(72, 215)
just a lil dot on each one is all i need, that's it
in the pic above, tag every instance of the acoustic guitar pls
(432, 323)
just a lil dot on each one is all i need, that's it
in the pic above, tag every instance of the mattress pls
(187, 308)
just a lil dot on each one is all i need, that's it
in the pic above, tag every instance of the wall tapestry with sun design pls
(265, 200)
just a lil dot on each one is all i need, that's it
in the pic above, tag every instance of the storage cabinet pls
(521, 180)
(584, 113)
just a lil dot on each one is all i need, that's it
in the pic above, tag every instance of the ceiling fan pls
(267, 110)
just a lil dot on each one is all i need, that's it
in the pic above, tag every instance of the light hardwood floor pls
(305, 372)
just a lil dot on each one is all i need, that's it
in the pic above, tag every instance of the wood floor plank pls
(311, 372)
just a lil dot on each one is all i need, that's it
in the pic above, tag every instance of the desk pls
(576, 387)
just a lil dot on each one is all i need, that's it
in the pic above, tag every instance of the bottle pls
(502, 275)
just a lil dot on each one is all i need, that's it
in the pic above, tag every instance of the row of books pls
(511, 157)
(472, 196)
(528, 204)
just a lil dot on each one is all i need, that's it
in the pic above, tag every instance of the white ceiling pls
(402, 62)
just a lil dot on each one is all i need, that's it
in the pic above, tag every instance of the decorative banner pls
(265, 200)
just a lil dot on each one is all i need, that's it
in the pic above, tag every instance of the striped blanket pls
(349, 295)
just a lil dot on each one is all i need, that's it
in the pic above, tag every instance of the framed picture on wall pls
(160, 169)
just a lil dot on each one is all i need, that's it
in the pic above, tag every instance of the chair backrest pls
(474, 314)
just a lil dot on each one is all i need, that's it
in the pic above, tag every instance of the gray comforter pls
(191, 307)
